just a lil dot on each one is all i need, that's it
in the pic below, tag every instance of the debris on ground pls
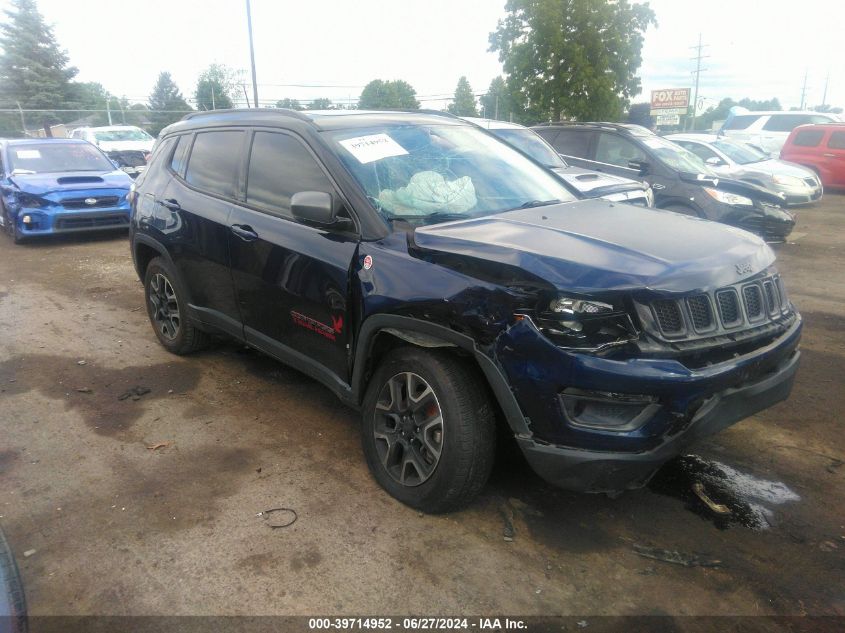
(85, 390)
(279, 517)
(507, 516)
(154, 447)
(81, 362)
(675, 557)
(29, 553)
(718, 508)
(135, 393)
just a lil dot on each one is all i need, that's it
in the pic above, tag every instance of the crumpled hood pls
(594, 246)
(780, 167)
(40, 184)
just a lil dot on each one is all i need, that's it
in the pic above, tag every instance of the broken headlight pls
(585, 324)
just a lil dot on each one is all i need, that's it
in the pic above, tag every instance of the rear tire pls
(166, 306)
(434, 466)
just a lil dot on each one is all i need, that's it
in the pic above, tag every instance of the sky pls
(332, 48)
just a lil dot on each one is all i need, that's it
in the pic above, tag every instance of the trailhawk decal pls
(328, 331)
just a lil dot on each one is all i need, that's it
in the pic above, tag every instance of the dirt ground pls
(104, 524)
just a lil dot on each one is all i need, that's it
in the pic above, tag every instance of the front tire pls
(10, 226)
(166, 306)
(428, 431)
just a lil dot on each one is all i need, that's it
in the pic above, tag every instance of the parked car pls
(820, 148)
(680, 179)
(742, 161)
(50, 186)
(436, 279)
(586, 183)
(768, 130)
(126, 145)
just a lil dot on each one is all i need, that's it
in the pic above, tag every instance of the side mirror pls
(639, 165)
(315, 207)
(715, 161)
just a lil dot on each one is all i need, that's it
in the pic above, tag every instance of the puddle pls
(749, 500)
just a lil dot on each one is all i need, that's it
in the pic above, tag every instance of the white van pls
(768, 130)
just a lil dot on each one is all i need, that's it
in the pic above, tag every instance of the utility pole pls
(212, 97)
(826, 82)
(23, 122)
(246, 96)
(804, 90)
(697, 73)
(251, 54)
(108, 109)
(497, 108)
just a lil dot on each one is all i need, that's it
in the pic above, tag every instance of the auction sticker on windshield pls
(373, 147)
(28, 153)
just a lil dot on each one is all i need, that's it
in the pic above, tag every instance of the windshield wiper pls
(537, 203)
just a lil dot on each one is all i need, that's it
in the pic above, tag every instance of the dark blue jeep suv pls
(436, 279)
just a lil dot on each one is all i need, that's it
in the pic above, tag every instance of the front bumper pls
(809, 195)
(50, 222)
(599, 471)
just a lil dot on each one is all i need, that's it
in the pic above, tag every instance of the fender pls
(432, 332)
(146, 240)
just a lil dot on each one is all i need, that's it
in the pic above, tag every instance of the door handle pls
(830, 155)
(245, 232)
(170, 203)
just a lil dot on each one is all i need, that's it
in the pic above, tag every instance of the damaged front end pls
(132, 162)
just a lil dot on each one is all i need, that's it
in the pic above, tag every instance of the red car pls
(820, 147)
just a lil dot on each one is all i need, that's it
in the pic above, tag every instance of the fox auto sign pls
(670, 101)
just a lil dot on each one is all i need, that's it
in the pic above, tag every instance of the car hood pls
(773, 166)
(593, 183)
(594, 246)
(732, 185)
(40, 184)
(141, 146)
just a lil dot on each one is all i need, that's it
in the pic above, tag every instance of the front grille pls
(753, 302)
(772, 303)
(784, 303)
(100, 202)
(92, 222)
(701, 313)
(668, 315)
(728, 307)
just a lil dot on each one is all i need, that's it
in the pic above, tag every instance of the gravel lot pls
(113, 526)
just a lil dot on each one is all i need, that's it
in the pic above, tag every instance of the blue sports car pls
(52, 186)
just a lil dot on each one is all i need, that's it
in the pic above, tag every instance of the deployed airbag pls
(428, 192)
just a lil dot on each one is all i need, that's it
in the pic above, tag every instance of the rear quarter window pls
(837, 140)
(808, 138)
(215, 162)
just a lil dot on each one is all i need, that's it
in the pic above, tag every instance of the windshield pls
(434, 173)
(530, 143)
(57, 157)
(677, 157)
(122, 135)
(742, 154)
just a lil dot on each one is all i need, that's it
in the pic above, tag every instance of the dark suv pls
(436, 278)
(681, 181)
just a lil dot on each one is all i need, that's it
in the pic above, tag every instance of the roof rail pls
(261, 111)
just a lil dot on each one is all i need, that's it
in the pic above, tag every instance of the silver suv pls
(768, 130)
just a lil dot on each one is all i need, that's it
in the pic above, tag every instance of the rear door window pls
(837, 140)
(788, 122)
(808, 138)
(741, 122)
(280, 166)
(180, 154)
(615, 150)
(215, 162)
(573, 143)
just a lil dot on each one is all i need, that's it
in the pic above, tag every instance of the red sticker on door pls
(328, 331)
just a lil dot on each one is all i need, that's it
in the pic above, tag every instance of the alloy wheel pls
(165, 307)
(408, 429)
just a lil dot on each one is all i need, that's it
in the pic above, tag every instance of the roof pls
(771, 112)
(322, 120)
(111, 128)
(630, 128)
(493, 124)
(703, 138)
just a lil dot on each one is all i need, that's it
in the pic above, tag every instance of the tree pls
(577, 58)
(167, 105)
(388, 95)
(640, 114)
(320, 104)
(34, 71)
(496, 104)
(290, 104)
(464, 102)
(215, 88)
